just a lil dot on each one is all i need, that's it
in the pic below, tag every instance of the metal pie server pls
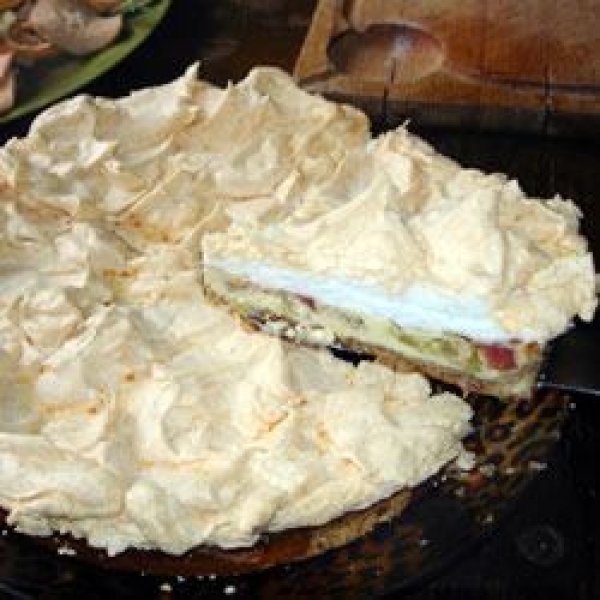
(573, 363)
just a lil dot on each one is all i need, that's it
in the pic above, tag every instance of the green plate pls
(52, 79)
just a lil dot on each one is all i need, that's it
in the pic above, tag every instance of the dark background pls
(549, 546)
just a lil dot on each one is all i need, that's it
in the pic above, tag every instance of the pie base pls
(271, 550)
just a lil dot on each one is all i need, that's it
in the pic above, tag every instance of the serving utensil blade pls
(573, 363)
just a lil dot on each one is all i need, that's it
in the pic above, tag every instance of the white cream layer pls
(418, 307)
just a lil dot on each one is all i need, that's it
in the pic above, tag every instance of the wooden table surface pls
(229, 37)
(501, 64)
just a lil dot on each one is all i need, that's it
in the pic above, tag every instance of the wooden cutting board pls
(530, 65)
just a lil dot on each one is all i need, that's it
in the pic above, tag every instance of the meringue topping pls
(132, 412)
(411, 228)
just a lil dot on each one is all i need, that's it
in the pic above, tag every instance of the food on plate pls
(25, 45)
(103, 6)
(37, 30)
(73, 26)
(133, 413)
(8, 4)
(7, 81)
(396, 251)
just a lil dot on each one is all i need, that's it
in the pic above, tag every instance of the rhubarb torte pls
(133, 413)
(405, 255)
